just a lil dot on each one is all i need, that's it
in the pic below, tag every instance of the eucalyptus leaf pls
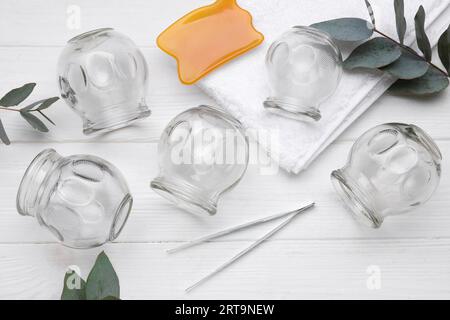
(47, 103)
(399, 7)
(422, 39)
(346, 29)
(3, 136)
(444, 49)
(74, 287)
(16, 96)
(369, 8)
(34, 121)
(432, 82)
(408, 66)
(373, 54)
(102, 281)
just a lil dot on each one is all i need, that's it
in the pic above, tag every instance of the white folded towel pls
(241, 85)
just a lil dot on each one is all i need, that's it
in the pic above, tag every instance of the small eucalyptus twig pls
(416, 73)
(411, 51)
(10, 102)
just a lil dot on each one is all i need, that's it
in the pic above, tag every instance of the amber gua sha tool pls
(208, 37)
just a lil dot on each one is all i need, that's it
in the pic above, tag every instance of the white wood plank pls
(167, 97)
(155, 219)
(306, 269)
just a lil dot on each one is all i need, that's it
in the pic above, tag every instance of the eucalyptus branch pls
(15, 97)
(410, 50)
(415, 72)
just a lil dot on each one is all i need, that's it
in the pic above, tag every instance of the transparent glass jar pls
(83, 200)
(304, 67)
(103, 77)
(392, 169)
(203, 152)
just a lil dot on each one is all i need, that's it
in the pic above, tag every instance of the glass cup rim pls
(31, 169)
(89, 33)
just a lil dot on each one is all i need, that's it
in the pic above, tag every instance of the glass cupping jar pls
(103, 77)
(392, 169)
(203, 152)
(304, 66)
(83, 200)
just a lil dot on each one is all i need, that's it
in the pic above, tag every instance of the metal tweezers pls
(192, 243)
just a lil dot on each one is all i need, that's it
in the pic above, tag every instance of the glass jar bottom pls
(121, 216)
(292, 111)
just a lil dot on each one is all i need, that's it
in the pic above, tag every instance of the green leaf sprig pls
(16, 96)
(102, 282)
(416, 73)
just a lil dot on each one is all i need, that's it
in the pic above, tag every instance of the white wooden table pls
(323, 254)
